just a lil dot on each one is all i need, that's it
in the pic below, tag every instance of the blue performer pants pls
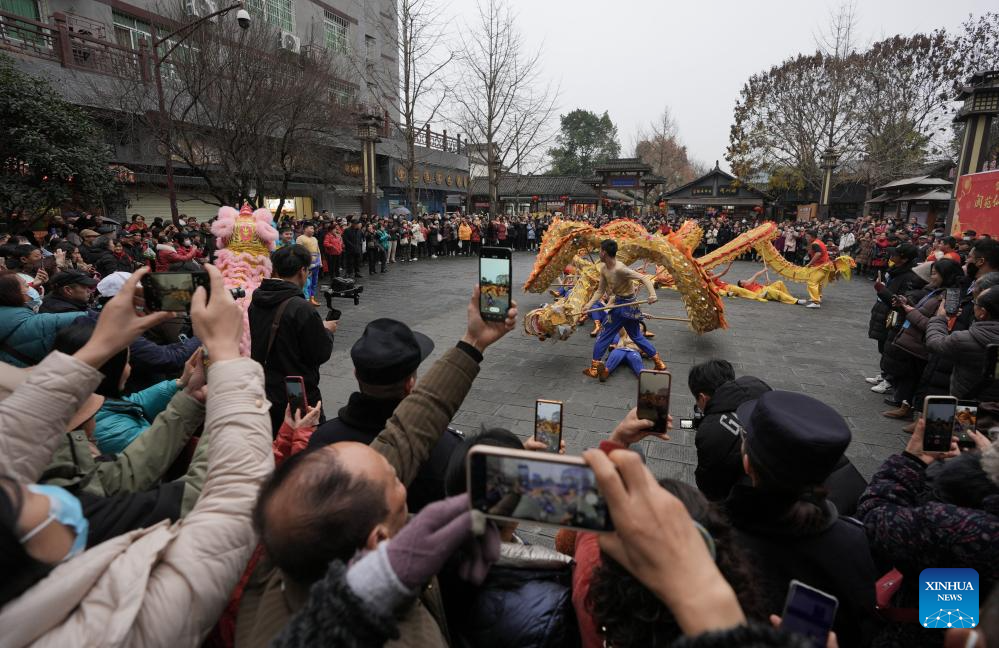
(628, 356)
(312, 283)
(628, 319)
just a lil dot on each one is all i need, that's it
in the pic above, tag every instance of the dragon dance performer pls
(819, 257)
(568, 282)
(616, 280)
(623, 352)
(311, 243)
(773, 291)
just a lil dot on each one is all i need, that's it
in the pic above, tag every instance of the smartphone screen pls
(548, 424)
(171, 291)
(494, 283)
(653, 397)
(939, 412)
(686, 424)
(536, 487)
(952, 300)
(965, 420)
(809, 612)
(295, 386)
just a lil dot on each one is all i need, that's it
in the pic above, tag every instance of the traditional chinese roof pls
(917, 181)
(622, 164)
(534, 185)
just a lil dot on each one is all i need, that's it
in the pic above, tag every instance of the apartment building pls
(76, 44)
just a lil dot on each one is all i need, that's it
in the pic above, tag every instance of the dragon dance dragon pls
(566, 242)
(245, 239)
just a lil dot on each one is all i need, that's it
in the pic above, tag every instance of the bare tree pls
(503, 103)
(242, 115)
(659, 146)
(413, 99)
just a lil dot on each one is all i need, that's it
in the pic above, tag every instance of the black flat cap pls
(69, 277)
(795, 437)
(388, 352)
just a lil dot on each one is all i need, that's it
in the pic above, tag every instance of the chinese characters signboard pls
(977, 205)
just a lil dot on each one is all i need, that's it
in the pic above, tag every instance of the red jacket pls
(166, 255)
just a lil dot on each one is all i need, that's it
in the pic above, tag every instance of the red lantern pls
(534, 198)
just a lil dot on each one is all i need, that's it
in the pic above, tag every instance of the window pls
(337, 32)
(24, 8)
(280, 13)
(342, 93)
(128, 30)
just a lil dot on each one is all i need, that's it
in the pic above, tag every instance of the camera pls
(237, 293)
(243, 18)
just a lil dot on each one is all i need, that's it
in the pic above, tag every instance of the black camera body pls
(344, 289)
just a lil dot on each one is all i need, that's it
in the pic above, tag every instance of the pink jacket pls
(164, 585)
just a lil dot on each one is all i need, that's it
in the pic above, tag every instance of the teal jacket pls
(121, 420)
(383, 239)
(30, 333)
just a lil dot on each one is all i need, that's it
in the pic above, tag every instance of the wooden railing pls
(72, 49)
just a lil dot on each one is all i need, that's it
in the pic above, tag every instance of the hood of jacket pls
(164, 247)
(729, 396)
(985, 333)
(525, 556)
(272, 292)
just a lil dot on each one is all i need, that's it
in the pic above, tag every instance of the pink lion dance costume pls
(245, 240)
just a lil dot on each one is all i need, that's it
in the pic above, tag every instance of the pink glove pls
(420, 550)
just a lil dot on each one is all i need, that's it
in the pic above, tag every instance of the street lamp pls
(829, 159)
(243, 19)
(369, 125)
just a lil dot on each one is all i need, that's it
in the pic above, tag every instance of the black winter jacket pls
(719, 455)
(902, 280)
(301, 346)
(834, 557)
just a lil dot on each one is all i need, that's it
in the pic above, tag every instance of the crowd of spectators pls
(156, 489)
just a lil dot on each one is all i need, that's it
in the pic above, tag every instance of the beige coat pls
(164, 585)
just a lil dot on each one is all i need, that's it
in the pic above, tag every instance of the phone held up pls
(952, 301)
(297, 399)
(939, 413)
(524, 486)
(548, 424)
(495, 283)
(809, 612)
(172, 291)
(653, 398)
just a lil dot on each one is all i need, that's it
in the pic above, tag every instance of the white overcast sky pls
(633, 57)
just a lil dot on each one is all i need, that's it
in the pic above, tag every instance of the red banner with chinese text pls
(977, 205)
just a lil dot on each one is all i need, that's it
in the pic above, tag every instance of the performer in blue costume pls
(623, 352)
(617, 280)
(310, 243)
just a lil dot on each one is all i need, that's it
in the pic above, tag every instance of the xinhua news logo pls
(948, 598)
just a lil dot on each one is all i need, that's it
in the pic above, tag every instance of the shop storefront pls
(438, 189)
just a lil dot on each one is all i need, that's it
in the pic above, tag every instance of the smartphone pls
(965, 420)
(548, 424)
(297, 399)
(495, 283)
(991, 356)
(523, 486)
(686, 424)
(172, 291)
(653, 397)
(809, 612)
(952, 300)
(939, 412)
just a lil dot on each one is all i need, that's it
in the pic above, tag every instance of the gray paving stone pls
(823, 352)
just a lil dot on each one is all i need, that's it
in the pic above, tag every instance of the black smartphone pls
(653, 397)
(965, 420)
(172, 291)
(524, 486)
(939, 413)
(548, 424)
(809, 612)
(952, 300)
(686, 424)
(991, 357)
(297, 399)
(495, 283)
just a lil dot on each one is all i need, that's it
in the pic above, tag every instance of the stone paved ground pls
(823, 352)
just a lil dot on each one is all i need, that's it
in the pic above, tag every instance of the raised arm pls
(647, 281)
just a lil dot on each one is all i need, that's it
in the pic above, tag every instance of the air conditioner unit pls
(290, 42)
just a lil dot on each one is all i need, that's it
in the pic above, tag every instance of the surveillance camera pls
(243, 18)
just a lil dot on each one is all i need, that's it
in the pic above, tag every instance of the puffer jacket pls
(966, 350)
(719, 454)
(526, 600)
(163, 585)
(30, 334)
(901, 281)
(910, 339)
(168, 255)
(121, 420)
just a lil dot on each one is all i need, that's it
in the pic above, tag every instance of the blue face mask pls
(65, 509)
